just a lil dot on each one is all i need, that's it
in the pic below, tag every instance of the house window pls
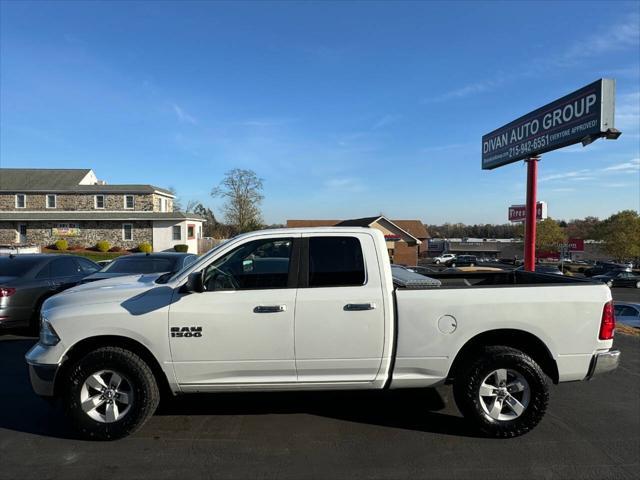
(127, 231)
(191, 231)
(51, 201)
(163, 205)
(129, 202)
(177, 232)
(21, 200)
(99, 201)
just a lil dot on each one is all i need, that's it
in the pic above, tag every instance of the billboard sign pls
(583, 115)
(518, 213)
(575, 245)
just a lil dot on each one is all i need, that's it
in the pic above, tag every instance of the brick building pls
(41, 206)
(406, 239)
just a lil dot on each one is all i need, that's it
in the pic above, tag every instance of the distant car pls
(463, 261)
(627, 313)
(619, 278)
(27, 280)
(444, 258)
(602, 268)
(422, 270)
(141, 263)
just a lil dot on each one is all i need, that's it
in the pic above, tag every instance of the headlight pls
(48, 335)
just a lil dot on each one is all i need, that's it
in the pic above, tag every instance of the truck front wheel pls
(110, 393)
(504, 392)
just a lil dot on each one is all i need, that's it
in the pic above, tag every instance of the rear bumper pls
(604, 362)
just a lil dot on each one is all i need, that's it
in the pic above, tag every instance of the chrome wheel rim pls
(504, 395)
(106, 396)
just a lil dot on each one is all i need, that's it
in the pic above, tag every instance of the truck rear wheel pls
(503, 392)
(111, 392)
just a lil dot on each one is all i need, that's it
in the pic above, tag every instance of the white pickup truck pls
(317, 309)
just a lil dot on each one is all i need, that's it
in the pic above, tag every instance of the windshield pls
(140, 265)
(17, 266)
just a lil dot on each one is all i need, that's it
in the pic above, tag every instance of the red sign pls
(576, 245)
(518, 213)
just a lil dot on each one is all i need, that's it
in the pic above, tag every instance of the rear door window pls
(335, 262)
(64, 267)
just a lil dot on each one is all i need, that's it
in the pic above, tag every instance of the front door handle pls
(357, 307)
(270, 308)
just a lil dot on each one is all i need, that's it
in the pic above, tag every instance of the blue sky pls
(344, 109)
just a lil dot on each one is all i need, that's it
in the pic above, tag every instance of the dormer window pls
(129, 202)
(51, 201)
(21, 200)
(99, 201)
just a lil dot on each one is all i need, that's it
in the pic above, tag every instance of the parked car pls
(463, 261)
(320, 311)
(104, 263)
(444, 258)
(602, 268)
(627, 313)
(619, 278)
(142, 263)
(26, 280)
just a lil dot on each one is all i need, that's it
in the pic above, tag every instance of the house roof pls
(359, 222)
(311, 223)
(61, 180)
(414, 228)
(72, 216)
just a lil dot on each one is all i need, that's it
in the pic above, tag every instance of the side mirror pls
(195, 283)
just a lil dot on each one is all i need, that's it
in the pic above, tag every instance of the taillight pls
(6, 291)
(608, 322)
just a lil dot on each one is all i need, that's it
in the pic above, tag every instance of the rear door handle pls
(356, 307)
(270, 308)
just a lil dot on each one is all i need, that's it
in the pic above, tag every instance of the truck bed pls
(491, 279)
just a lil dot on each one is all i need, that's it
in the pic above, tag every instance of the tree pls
(242, 191)
(585, 228)
(621, 235)
(549, 235)
(177, 203)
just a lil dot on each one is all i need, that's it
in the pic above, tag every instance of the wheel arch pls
(86, 345)
(519, 339)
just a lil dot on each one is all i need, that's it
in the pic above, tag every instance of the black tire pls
(144, 389)
(466, 391)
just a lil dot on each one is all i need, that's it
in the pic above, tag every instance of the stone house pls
(41, 206)
(406, 239)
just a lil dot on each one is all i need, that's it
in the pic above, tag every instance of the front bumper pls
(42, 375)
(604, 362)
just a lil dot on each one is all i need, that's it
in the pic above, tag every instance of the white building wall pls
(163, 235)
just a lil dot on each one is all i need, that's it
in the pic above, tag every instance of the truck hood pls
(117, 289)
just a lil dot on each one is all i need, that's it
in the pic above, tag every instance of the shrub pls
(103, 246)
(62, 245)
(116, 249)
(181, 248)
(145, 247)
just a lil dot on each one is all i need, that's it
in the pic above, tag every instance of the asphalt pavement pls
(591, 430)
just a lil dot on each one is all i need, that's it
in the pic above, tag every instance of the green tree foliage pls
(585, 228)
(621, 235)
(242, 192)
(549, 235)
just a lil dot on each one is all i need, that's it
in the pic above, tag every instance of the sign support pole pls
(531, 217)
